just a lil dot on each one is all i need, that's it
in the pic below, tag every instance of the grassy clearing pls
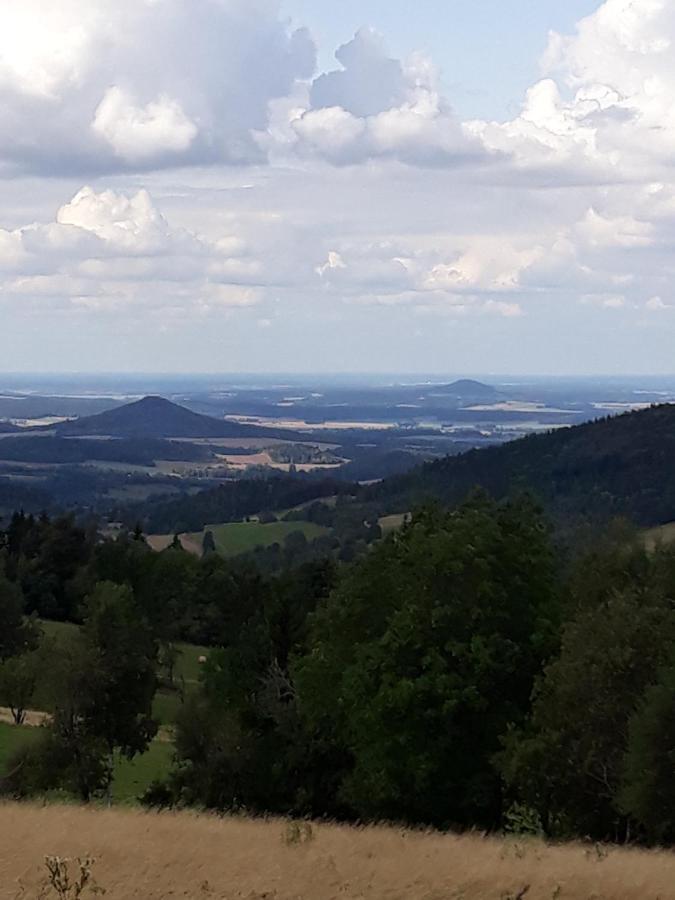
(165, 707)
(190, 543)
(393, 523)
(167, 703)
(664, 534)
(188, 855)
(235, 538)
(59, 631)
(132, 778)
(188, 666)
(12, 739)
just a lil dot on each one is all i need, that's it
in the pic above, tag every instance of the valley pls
(283, 641)
(102, 446)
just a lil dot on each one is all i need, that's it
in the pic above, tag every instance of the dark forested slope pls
(230, 502)
(619, 466)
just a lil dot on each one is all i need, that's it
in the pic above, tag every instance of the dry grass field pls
(140, 855)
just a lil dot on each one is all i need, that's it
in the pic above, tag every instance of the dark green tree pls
(124, 664)
(568, 764)
(425, 654)
(17, 633)
(18, 680)
(648, 791)
(208, 543)
(102, 686)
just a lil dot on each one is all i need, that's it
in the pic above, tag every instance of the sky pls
(488, 50)
(371, 186)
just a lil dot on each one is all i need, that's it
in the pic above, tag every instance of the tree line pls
(468, 671)
(618, 466)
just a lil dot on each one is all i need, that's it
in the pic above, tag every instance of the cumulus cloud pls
(410, 274)
(108, 249)
(369, 81)
(131, 224)
(376, 107)
(136, 134)
(605, 106)
(656, 304)
(141, 83)
(566, 211)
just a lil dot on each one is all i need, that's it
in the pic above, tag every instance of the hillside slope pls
(624, 465)
(193, 856)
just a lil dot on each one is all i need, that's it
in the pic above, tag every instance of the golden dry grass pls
(141, 855)
(33, 718)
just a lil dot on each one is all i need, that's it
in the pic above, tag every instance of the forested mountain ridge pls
(621, 466)
(618, 466)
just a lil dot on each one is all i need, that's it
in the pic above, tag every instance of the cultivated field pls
(153, 856)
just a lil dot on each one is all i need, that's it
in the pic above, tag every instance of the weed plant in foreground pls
(130, 854)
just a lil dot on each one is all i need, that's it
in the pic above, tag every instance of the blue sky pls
(182, 190)
(489, 50)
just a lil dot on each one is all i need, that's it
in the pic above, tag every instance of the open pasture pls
(235, 538)
(131, 778)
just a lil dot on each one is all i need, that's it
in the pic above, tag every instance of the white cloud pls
(656, 304)
(376, 107)
(622, 231)
(113, 84)
(365, 204)
(507, 310)
(127, 223)
(136, 134)
(369, 82)
(334, 261)
(605, 107)
(110, 249)
(605, 301)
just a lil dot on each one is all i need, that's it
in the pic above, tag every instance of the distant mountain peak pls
(155, 417)
(153, 402)
(470, 388)
(471, 384)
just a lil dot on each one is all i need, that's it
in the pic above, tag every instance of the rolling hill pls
(468, 390)
(156, 417)
(619, 466)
